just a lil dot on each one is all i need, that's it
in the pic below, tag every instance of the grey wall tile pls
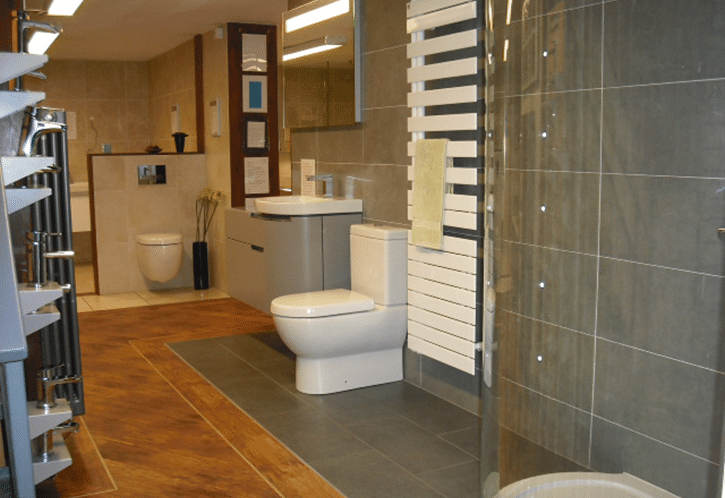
(688, 30)
(641, 136)
(617, 449)
(386, 136)
(667, 400)
(569, 280)
(341, 145)
(556, 52)
(548, 423)
(304, 145)
(554, 132)
(384, 24)
(553, 361)
(523, 9)
(388, 199)
(662, 311)
(558, 210)
(385, 75)
(671, 222)
(452, 385)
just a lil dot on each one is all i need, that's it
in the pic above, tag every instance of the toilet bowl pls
(347, 339)
(160, 255)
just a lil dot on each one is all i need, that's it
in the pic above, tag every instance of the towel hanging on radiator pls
(429, 183)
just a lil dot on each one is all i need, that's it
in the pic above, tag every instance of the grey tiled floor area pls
(393, 440)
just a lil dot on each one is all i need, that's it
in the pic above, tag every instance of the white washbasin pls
(305, 205)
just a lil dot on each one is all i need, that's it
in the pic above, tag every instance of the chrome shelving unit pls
(34, 450)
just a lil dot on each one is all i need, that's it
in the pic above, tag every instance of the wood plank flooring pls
(153, 427)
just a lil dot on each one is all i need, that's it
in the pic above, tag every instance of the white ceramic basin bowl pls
(303, 205)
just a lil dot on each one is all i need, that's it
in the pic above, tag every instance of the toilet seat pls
(321, 303)
(159, 239)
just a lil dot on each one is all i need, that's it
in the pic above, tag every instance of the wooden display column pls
(253, 111)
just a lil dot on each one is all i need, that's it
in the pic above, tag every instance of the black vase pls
(179, 139)
(201, 265)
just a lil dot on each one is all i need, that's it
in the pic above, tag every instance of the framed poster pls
(254, 52)
(254, 93)
(256, 139)
(256, 175)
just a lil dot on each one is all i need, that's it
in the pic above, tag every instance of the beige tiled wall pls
(218, 174)
(171, 82)
(125, 209)
(110, 100)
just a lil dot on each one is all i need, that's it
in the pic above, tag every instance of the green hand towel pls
(429, 184)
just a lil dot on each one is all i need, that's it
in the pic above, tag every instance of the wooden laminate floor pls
(154, 428)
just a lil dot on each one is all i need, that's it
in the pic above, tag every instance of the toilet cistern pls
(323, 178)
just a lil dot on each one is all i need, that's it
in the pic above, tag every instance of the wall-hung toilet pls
(160, 255)
(347, 339)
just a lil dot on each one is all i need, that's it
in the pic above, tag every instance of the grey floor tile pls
(212, 360)
(410, 446)
(312, 436)
(439, 417)
(260, 397)
(371, 475)
(459, 481)
(467, 439)
(253, 347)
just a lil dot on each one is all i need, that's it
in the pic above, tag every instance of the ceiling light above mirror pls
(318, 14)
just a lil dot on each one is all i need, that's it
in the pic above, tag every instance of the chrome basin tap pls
(323, 178)
(40, 121)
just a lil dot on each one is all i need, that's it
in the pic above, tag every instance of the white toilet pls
(347, 339)
(159, 255)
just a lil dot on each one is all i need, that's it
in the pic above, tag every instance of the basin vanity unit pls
(289, 244)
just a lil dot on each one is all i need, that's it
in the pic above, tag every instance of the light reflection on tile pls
(146, 298)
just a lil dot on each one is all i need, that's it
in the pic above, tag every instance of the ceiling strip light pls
(63, 7)
(40, 41)
(334, 9)
(313, 47)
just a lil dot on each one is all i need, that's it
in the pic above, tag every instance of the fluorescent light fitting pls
(313, 47)
(40, 41)
(334, 9)
(63, 7)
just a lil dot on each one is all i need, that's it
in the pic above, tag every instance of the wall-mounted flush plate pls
(151, 174)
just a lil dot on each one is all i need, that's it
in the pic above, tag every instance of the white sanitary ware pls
(583, 484)
(80, 208)
(159, 255)
(350, 339)
(307, 205)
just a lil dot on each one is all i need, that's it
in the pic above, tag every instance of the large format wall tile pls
(556, 52)
(670, 222)
(552, 425)
(554, 286)
(617, 449)
(642, 137)
(648, 43)
(554, 132)
(670, 401)
(524, 9)
(557, 210)
(553, 361)
(662, 310)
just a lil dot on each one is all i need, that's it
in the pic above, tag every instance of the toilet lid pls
(321, 303)
(159, 239)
